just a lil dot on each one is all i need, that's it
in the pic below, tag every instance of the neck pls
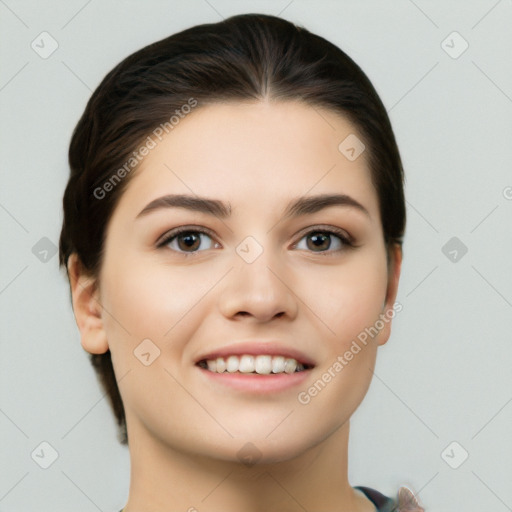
(164, 479)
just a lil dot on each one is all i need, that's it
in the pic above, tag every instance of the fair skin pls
(185, 428)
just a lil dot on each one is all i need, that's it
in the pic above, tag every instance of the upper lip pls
(256, 348)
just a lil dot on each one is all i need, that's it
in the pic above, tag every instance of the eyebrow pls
(301, 206)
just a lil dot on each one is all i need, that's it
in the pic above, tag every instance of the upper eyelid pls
(325, 228)
(172, 233)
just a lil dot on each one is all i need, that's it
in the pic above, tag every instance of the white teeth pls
(232, 364)
(290, 365)
(246, 364)
(262, 364)
(278, 364)
(221, 365)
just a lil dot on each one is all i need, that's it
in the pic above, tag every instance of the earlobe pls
(87, 308)
(394, 275)
(391, 292)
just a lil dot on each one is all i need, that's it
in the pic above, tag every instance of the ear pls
(86, 307)
(388, 312)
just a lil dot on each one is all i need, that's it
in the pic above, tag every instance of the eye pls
(187, 240)
(324, 240)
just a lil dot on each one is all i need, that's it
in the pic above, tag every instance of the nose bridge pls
(257, 284)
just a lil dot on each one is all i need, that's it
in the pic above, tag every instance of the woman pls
(232, 233)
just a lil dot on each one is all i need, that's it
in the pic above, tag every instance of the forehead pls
(251, 154)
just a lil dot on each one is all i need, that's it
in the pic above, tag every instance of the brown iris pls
(189, 241)
(318, 240)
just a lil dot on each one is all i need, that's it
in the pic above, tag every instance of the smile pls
(259, 364)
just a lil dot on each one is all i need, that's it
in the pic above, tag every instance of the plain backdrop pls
(438, 414)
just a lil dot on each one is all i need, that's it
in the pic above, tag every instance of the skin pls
(185, 432)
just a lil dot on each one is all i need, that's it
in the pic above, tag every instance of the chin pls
(254, 451)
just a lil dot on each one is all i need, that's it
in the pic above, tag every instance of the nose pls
(261, 291)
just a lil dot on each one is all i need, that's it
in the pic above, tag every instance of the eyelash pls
(346, 240)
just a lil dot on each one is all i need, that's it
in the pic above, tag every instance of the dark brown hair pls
(243, 58)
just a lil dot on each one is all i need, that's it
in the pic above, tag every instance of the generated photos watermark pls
(305, 397)
(151, 142)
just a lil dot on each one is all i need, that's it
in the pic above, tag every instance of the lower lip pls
(255, 383)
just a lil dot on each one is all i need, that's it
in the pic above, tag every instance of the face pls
(288, 260)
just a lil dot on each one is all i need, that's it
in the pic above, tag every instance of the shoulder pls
(382, 503)
(405, 500)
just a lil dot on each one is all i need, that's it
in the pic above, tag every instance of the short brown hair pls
(243, 58)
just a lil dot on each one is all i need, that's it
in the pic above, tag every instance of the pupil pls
(320, 241)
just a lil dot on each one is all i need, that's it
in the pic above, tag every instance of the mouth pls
(256, 367)
(262, 364)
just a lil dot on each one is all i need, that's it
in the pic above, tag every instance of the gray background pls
(445, 374)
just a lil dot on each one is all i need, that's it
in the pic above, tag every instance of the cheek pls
(349, 304)
(346, 299)
(147, 300)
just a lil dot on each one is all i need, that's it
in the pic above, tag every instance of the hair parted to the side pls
(247, 57)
